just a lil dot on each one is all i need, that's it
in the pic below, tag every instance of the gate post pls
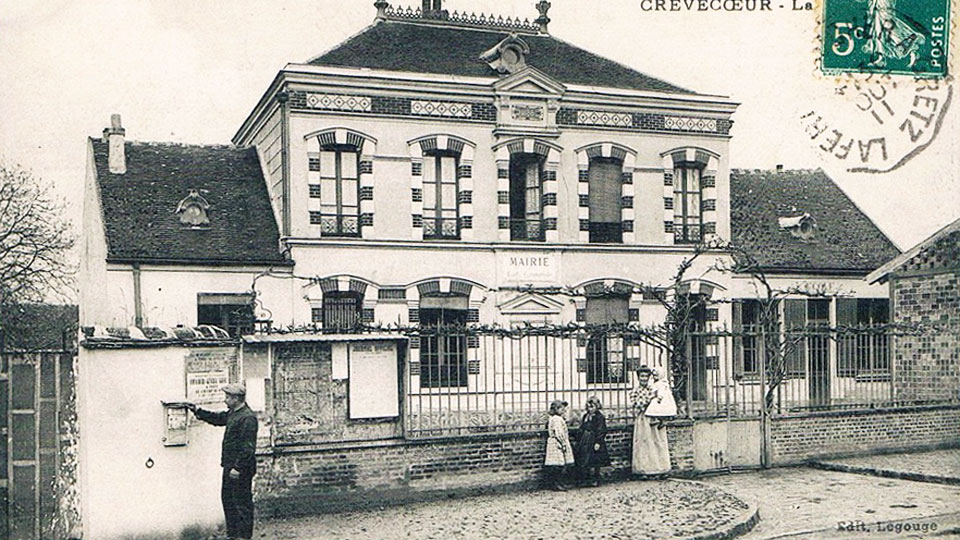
(765, 450)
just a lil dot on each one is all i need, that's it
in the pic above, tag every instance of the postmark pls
(876, 123)
(903, 37)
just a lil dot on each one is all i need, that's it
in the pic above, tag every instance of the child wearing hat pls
(559, 451)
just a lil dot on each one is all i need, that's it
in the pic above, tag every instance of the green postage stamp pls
(886, 36)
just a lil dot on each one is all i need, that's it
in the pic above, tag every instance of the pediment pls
(530, 80)
(531, 304)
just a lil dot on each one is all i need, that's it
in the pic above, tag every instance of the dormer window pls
(802, 227)
(193, 210)
(508, 56)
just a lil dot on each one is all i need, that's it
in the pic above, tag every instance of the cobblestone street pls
(623, 510)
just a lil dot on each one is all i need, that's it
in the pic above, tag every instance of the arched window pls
(606, 350)
(526, 197)
(440, 194)
(339, 191)
(341, 310)
(605, 200)
(443, 348)
(687, 195)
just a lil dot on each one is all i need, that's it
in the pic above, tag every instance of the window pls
(747, 321)
(440, 189)
(526, 211)
(341, 310)
(339, 191)
(605, 350)
(605, 200)
(231, 312)
(694, 306)
(687, 222)
(443, 349)
(862, 351)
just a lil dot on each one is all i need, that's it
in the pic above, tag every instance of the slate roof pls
(845, 240)
(139, 207)
(36, 327)
(422, 48)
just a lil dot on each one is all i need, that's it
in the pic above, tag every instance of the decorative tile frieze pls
(549, 199)
(708, 204)
(315, 218)
(465, 197)
(548, 176)
(503, 197)
(466, 222)
(366, 220)
(416, 195)
(668, 203)
(604, 118)
(453, 109)
(668, 178)
(314, 191)
(626, 202)
(339, 102)
(314, 164)
(709, 181)
(690, 123)
(643, 121)
(503, 222)
(366, 167)
(465, 171)
(366, 193)
(417, 220)
(416, 168)
(668, 226)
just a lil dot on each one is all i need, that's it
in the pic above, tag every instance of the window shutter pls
(605, 190)
(846, 344)
(737, 339)
(795, 321)
(607, 310)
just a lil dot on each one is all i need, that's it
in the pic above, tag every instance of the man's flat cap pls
(235, 389)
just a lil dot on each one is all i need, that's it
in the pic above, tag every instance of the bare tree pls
(777, 343)
(35, 238)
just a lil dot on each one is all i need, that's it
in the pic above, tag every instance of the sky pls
(191, 71)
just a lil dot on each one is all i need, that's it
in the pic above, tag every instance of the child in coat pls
(559, 451)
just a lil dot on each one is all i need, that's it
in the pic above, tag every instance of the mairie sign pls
(529, 266)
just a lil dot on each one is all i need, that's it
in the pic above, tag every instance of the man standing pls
(237, 457)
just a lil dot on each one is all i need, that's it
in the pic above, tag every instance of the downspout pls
(137, 300)
(284, 98)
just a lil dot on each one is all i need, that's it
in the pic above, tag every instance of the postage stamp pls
(907, 37)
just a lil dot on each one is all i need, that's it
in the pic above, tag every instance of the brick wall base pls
(342, 476)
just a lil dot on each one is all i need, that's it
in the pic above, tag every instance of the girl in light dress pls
(559, 451)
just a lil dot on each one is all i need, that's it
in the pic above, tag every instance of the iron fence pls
(479, 380)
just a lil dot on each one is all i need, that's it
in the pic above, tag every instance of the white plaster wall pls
(94, 305)
(169, 294)
(740, 286)
(121, 426)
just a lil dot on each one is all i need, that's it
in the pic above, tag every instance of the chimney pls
(779, 167)
(113, 135)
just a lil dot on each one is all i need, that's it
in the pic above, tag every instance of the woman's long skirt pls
(650, 452)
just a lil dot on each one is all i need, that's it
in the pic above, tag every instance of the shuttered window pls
(341, 310)
(862, 351)
(795, 322)
(605, 200)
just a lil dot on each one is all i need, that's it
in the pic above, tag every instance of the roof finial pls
(543, 6)
(381, 6)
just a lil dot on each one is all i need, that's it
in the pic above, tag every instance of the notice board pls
(374, 380)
